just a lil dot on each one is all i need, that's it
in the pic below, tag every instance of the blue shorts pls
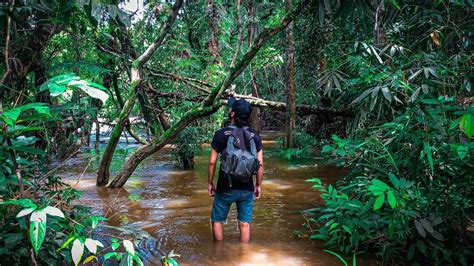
(222, 202)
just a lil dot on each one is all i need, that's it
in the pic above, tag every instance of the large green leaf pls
(467, 125)
(392, 200)
(380, 184)
(11, 116)
(379, 202)
(90, 90)
(37, 229)
(27, 203)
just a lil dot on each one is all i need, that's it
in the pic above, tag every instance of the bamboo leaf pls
(414, 96)
(429, 155)
(387, 94)
(414, 75)
(337, 256)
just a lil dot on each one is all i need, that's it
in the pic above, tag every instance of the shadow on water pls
(168, 209)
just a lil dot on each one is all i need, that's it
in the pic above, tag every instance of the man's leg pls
(220, 210)
(217, 231)
(244, 232)
(244, 209)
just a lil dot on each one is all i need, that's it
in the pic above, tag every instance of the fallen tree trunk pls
(301, 109)
(210, 104)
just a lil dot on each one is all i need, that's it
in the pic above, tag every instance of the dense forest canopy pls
(382, 88)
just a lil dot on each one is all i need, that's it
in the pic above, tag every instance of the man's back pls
(219, 143)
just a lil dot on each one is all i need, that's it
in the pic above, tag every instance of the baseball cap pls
(240, 107)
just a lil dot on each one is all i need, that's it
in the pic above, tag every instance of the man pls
(229, 190)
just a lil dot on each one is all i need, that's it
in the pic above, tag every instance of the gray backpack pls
(238, 163)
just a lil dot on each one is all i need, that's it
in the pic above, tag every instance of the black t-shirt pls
(219, 143)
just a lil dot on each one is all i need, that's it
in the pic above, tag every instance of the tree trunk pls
(255, 122)
(97, 136)
(379, 33)
(290, 136)
(213, 21)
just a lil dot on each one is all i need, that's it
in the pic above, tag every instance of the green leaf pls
(426, 225)
(109, 255)
(11, 116)
(387, 94)
(66, 243)
(56, 90)
(467, 125)
(437, 235)
(327, 148)
(406, 85)
(394, 179)
(37, 229)
(414, 96)
(462, 151)
(395, 4)
(420, 229)
(347, 229)
(337, 256)
(318, 236)
(380, 184)
(363, 95)
(427, 149)
(137, 260)
(28, 149)
(115, 245)
(379, 202)
(20, 202)
(392, 200)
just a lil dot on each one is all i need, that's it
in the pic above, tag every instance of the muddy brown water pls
(166, 209)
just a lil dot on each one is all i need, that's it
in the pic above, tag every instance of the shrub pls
(409, 195)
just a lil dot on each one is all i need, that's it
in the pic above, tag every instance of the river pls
(167, 209)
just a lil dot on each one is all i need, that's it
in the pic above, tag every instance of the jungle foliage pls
(383, 88)
(408, 196)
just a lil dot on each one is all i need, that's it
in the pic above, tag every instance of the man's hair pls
(242, 121)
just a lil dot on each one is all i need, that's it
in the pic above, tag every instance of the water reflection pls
(168, 209)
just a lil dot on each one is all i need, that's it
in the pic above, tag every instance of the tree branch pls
(161, 36)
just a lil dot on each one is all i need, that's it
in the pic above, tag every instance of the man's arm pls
(210, 172)
(258, 190)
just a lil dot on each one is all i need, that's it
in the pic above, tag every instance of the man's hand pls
(257, 192)
(211, 190)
